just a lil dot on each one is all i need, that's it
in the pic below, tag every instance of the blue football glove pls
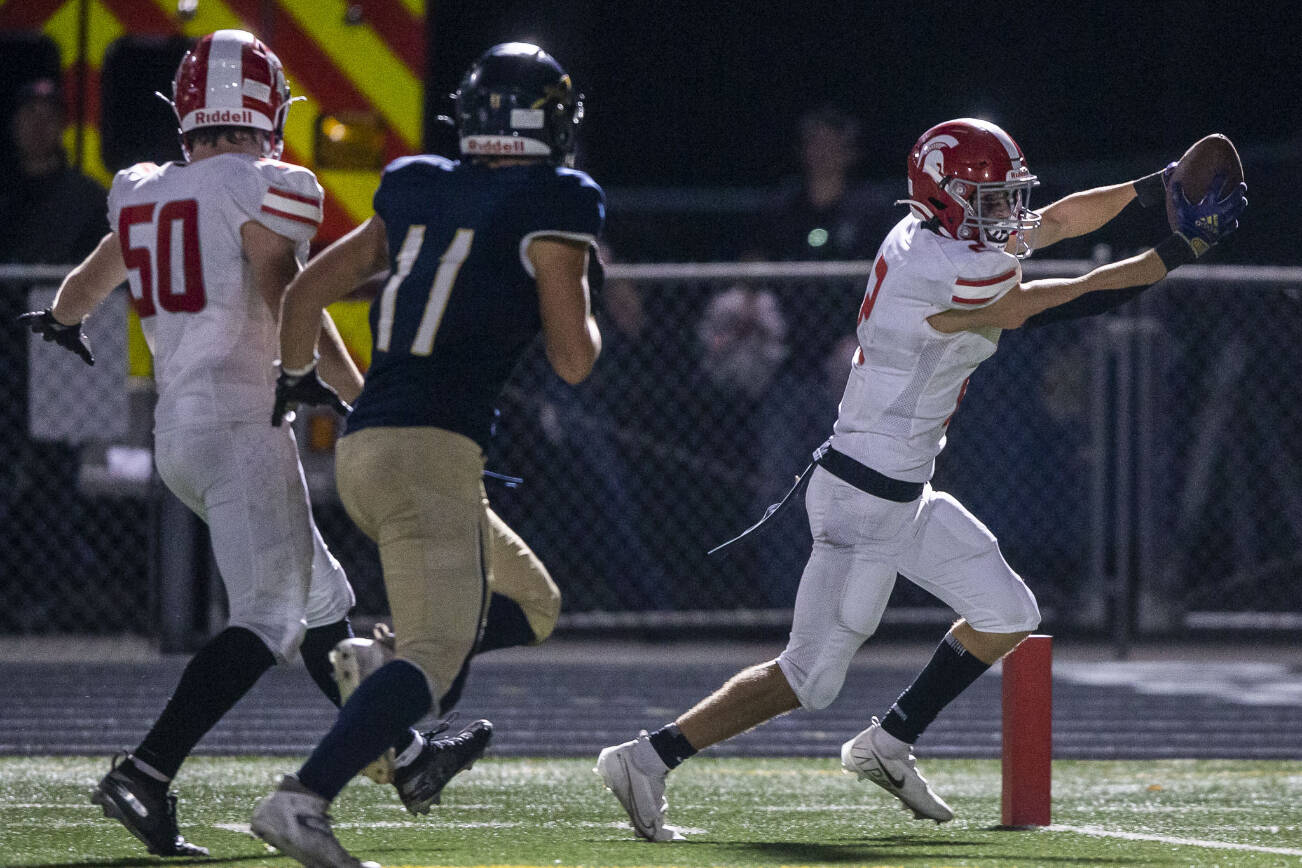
(70, 337)
(1211, 220)
(304, 389)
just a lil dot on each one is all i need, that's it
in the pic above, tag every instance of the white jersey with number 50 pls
(212, 335)
(907, 379)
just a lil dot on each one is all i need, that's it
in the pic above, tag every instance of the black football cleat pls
(420, 784)
(149, 818)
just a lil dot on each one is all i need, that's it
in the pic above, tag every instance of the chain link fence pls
(1140, 469)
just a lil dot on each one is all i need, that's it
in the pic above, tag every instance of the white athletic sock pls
(147, 770)
(408, 756)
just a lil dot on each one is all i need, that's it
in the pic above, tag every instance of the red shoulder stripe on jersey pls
(296, 217)
(986, 281)
(297, 197)
(958, 299)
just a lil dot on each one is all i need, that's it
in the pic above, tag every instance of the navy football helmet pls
(517, 101)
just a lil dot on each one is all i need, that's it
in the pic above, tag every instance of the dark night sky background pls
(707, 93)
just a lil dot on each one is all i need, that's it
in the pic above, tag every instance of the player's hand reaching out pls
(304, 388)
(70, 337)
(1210, 220)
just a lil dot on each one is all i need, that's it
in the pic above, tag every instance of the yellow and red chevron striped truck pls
(356, 69)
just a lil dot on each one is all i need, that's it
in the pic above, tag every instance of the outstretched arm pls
(1026, 300)
(1201, 226)
(1081, 213)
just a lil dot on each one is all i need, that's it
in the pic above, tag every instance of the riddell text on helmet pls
(234, 117)
(496, 146)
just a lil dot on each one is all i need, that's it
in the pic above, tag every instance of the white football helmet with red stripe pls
(230, 78)
(969, 179)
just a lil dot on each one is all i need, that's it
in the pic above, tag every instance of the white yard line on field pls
(1099, 832)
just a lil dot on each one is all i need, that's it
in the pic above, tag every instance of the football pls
(1208, 157)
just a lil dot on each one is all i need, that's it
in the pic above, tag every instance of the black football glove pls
(304, 389)
(1150, 190)
(70, 337)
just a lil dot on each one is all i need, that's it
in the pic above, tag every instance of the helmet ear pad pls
(563, 118)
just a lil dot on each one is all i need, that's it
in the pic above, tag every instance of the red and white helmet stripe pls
(230, 78)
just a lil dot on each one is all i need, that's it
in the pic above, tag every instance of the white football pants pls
(861, 543)
(244, 479)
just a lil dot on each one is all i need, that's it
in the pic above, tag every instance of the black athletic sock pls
(315, 650)
(374, 718)
(672, 745)
(949, 672)
(213, 681)
(506, 625)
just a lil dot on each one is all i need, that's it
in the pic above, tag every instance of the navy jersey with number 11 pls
(461, 304)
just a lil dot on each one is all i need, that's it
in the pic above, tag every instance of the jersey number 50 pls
(179, 218)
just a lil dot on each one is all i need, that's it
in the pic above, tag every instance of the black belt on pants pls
(864, 478)
(846, 469)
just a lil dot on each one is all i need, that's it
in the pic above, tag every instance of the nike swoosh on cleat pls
(134, 803)
(897, 783)
(638, 807)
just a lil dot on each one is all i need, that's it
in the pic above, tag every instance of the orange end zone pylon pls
(1028, 733)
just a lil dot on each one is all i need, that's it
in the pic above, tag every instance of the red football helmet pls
(970, 177)
(230, 78)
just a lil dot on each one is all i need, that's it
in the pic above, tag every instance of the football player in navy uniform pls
(483, 254)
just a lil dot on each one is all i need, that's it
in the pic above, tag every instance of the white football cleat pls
(640, 792)
(293, 819)
(353, 661)
(898, 775)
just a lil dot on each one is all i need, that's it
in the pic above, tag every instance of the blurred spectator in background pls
(794, 417)
(824, 214)
(743, 341)
(591, 425)
(742, 351)
(49, 211)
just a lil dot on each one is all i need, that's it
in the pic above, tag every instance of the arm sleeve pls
(1089, 304)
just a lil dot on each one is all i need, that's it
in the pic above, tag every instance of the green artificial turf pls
(735, 812)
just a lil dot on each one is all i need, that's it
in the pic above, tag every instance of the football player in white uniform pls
(208, 246)
(945, 282)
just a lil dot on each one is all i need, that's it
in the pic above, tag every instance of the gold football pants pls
(419, 493)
